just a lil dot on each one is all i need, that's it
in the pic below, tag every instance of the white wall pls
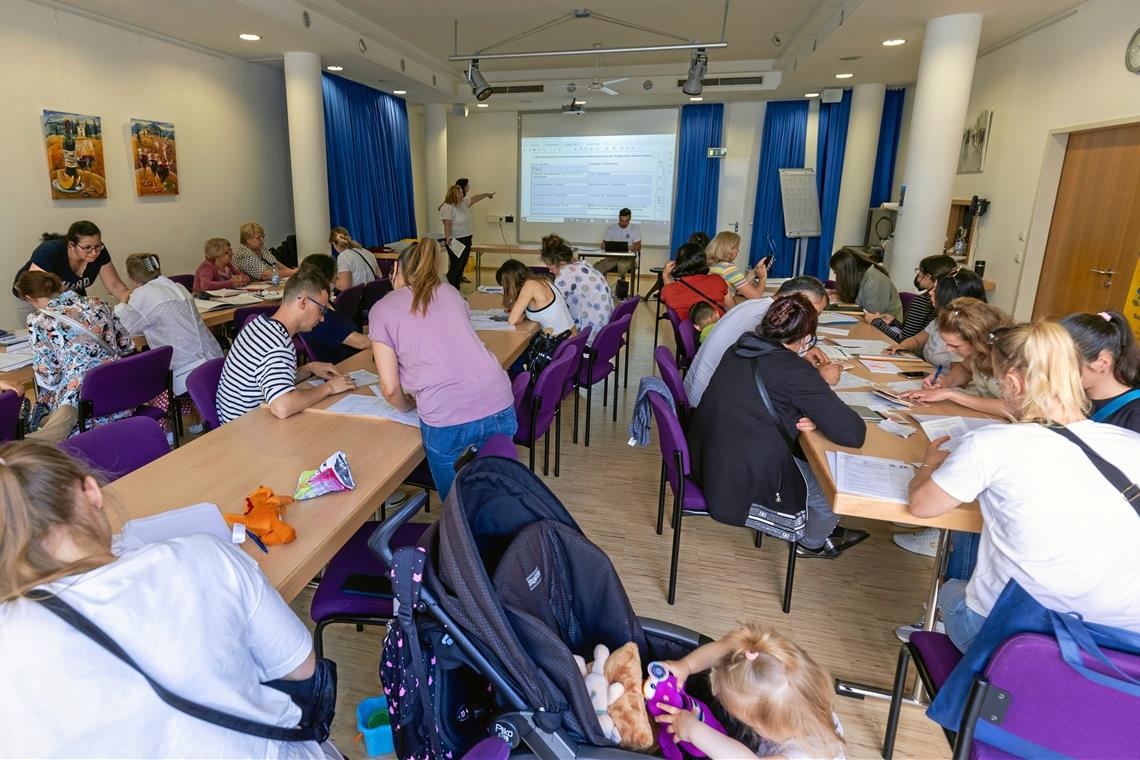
(736, 200)
(229, 117)
(1069, 74)
(419, 168)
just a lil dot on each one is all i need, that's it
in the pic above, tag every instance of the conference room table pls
(525, 251)
(225, 465)
(879, 443)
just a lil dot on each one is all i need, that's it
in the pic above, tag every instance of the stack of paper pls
(11, 339)
(204, 305)
(873, 477)
(835, 318)
(832, 331)
(14, 360)
(224, 292)
(241, 299)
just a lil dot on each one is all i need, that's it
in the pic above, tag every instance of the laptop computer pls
(615, 246)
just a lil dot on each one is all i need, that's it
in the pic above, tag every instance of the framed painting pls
(154, 157)
(74, 145)
(975, 141)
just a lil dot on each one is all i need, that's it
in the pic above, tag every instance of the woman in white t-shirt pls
(1039, 493)
(455, 212)
(196, 614)
(355, 265)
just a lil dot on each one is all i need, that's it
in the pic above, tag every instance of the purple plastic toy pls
(661, 686)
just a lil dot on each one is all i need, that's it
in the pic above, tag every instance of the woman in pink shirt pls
(216, 272)
(429, 358)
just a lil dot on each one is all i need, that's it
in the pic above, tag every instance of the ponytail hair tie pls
(751, 655)
(1105, 316)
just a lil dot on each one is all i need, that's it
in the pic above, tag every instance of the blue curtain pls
(369, 162)
(889, 131)
(782, 147)
(832, 145)
(698, 176)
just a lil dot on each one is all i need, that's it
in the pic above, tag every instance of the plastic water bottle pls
(276, 279)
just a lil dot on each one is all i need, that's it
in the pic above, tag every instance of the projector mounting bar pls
(684, 44)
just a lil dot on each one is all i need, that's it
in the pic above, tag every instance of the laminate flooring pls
(844, 611)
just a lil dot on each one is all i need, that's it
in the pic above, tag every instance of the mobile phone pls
(767, 262)
(868, 414)
(914, 373)
(362, 584)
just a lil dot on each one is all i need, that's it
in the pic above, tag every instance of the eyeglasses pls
(811, 344)
(97, 248)
(325, 310)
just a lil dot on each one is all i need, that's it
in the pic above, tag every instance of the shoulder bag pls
(718, 306)
(372, 265)
(781, 520)
(1115, 405)
(316, 695)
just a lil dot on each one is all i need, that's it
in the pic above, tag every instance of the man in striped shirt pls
(261, 368)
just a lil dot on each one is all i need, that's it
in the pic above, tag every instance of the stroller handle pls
(381, 541)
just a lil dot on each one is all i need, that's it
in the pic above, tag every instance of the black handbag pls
(316, 695)
(540, 352)
(780, 520)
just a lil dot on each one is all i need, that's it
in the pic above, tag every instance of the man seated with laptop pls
(622, 237)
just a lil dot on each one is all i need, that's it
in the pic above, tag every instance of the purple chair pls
(243, 314)
(935, 656)
(129, 384)
(602, 361)
(347, 302)
(907, 299)
(577, 346)
(120, 447)
(11, 424)
(671, 376)
(331, 604)
(688, 335)
(498, 445)
(675, 322)
(537, 406)
(202, 385)
(185, 280)
(628, 306)
(373, 292)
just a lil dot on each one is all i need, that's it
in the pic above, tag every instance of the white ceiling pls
(408, 42)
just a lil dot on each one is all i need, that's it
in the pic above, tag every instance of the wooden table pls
(227, 464)
(880, 443)
(511, 250)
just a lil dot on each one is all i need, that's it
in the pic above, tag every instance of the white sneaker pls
(196, 428)
(398, 497)
(903, 632)
(924, 542)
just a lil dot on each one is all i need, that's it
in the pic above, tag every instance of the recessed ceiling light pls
(250, 37)
(893, 43)
(481, 105)
(399, 92)
(697, 99)
(334, 68)
(811, 94)
(844, 76)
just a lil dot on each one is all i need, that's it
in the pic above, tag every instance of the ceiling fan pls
(602, 86)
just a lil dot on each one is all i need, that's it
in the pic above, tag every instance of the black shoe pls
(840, 540)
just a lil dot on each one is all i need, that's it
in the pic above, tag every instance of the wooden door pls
(1096, 225)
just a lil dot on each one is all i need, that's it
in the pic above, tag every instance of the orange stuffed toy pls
(263, 517)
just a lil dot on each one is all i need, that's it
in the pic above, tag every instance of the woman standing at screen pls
(455, 212)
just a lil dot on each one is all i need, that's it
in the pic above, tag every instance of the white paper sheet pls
(224, 292)
(373, 406)
(874, 477)
(902, 386)
(363, 377)
(880, 367)
(456, 247)
(869, 400)
(492, 289)
(204, 305)
(197, 518)
(832, 331)
(835, 353)
(863, 346)
(848, 380)
(241, 299)
(490, 319)
(936, 426)
(835, 318)
(896, 428)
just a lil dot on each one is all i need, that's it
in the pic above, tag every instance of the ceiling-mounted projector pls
(573, 107)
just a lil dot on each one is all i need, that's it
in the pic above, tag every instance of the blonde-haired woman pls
(455, 213)
(721, 253)
(235, 633)
(430, 359)
(217, 272)
(354, 264)
(967, 327)
(1029, 477)
(252, 257)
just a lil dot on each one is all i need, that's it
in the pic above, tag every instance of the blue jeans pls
(821, 520)
(963, 555)
(444, 444)
(962, 623)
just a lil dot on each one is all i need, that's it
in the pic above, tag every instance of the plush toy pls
(661, 687)
(602, 692)
(628, 712)
(263, 517)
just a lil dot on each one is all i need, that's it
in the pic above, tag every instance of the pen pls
(257, 541)
(937, 372)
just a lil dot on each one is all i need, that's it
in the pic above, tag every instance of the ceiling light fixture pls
(479, 87)
(844, 76)
(482, 105)
(399, 92)
(248, 37)
(811, 94)
(698, 65)
(893, 43)
(696, 99)
(334, 68)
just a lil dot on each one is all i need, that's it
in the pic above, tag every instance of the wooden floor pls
(843, 611)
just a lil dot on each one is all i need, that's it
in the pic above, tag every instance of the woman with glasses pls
(920, 313)
(732, 418)
(77, 259)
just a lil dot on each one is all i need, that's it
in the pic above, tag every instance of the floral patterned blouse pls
(588, 296)
(63, 354)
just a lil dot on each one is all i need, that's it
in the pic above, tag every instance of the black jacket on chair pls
(738, 456)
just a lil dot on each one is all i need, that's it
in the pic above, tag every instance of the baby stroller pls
(511, 589)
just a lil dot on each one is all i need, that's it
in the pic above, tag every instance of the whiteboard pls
(801, 202)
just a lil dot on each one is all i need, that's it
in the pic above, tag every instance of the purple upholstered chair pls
(907, 299)
(671, 376)
(538, 406)
(373, 292)
(120, 447)
(347, 302)
(687, 334)
(675, 322)
(602, 362)
(11, 426)
(935, 656)
(202, 385)
(243, 314)
(185, 280)
(128, 384)
(578, 347)
(628, 306)
(498, 445)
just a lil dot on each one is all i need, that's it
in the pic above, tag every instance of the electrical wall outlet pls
(494, 218)
(509, 219)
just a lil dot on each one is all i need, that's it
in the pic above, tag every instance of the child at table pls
(704, 318)
(778, 700)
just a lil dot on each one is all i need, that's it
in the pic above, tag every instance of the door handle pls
(1105, 272)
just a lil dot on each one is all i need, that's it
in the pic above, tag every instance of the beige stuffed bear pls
(602, 693)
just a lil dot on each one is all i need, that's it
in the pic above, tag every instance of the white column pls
(435, 163)
(941, 97)
(859, 165)
(306, 110)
